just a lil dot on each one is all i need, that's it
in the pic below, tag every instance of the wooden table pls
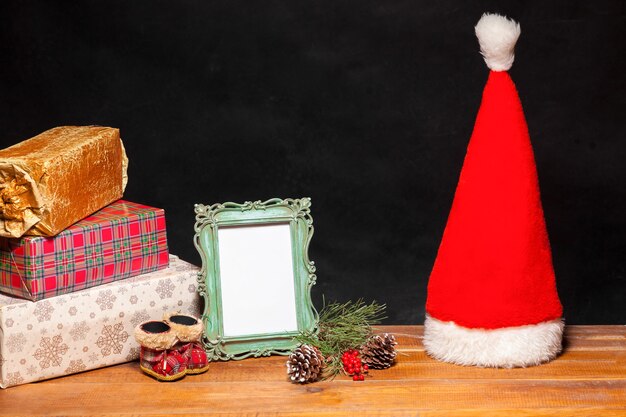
(588, 379)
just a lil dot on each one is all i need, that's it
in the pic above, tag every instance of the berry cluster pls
(353, 366)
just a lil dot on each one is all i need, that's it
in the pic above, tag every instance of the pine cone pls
(305, 364)
(379, 351)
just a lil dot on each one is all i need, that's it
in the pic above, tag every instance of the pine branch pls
(342, 327)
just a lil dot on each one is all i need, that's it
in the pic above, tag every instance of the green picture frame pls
(292, 218)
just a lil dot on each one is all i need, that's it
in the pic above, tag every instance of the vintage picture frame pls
(256, 276)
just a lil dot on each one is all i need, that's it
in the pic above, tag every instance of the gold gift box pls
(58, 177)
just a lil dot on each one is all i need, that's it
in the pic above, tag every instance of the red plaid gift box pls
(122, 240)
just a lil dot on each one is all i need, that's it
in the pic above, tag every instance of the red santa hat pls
(492, 298)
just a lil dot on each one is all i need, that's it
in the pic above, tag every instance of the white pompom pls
(497, 36)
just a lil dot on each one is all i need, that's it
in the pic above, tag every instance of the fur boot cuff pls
(155, 335)
(187, 328)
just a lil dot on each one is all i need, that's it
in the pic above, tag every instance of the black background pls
(364, 106)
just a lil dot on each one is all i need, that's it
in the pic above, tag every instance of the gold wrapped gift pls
(58, 177)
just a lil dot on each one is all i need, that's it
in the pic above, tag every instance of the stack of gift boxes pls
(78, 271)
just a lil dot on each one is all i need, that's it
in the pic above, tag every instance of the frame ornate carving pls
(295, 212)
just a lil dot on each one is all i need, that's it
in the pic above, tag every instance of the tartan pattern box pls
(121, 240)
(91, 328)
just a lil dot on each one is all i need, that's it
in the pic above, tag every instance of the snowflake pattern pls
(79, 331)
(133, 355)
(14, 378)
(191, 288)
(122, 290)
(75, 366)
(51, 351)
(15, 342)
(94, 357)
(139, 316)
(105, 300)
(31, 370)
(165, 288)
(133, 299)
(73, 310)
(9, 322)
(43, 311)
(112, 339)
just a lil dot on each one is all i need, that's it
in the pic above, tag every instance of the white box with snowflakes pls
(91, 328)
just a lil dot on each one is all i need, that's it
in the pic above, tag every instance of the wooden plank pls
(561, 369)
(529, 412)
(572, 365)
(192, 397)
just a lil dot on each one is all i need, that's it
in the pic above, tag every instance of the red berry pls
(361, 377)
(355, 377)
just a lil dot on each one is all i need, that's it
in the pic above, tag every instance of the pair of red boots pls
(171, 349)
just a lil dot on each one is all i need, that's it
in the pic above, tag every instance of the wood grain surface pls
(589, 378)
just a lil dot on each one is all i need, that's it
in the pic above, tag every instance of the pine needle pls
(342, 327)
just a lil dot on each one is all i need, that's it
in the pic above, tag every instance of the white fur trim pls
(507, 347)
(497, 36)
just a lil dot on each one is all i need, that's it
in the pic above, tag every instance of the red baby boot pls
(156, 357)
(189, 330)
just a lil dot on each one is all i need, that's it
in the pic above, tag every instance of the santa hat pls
(492, 298)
